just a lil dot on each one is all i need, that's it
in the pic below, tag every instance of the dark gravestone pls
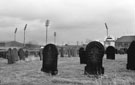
(21, 54)
(69, 52)
(116, 51)
(26, 53)
(82, 56)
(9, 56)
(15, 54)
(41, 54)
(12, 56)
(61, 52)
(94, 53)
(3, 54)
(50, 57)
(35, 53)
(131, 56)
(73, 52)
(110, 52)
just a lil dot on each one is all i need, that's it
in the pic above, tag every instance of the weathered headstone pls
(110, 52)
(131, 56)
(21, 54)
(9, 56)
(50, 57)
(69, 52)
(94, 53)
(61, 52)
(15, 54)
(73, 52)
(3, 54)
(26, 53)
(41, 54)
(82, 56)
(35, 53)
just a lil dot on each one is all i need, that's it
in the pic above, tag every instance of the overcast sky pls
(73, 20)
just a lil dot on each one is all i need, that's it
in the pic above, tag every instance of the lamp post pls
(47, 24)
(106, 29)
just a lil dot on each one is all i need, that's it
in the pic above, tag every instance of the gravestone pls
(15, 54)
(94, 53)
(9, 56)
(69, 52)
(41, 54)
(61, 52)
(50, 57)
(110, 52)
(82, 56)
(131, 56)
(26, 53)
(35, 53)
(3, 54)
(73, 52)
(21, 54)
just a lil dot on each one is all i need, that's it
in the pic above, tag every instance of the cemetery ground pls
(70, 72)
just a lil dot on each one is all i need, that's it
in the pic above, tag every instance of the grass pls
(70, 73)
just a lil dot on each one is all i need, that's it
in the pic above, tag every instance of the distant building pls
(124, 42)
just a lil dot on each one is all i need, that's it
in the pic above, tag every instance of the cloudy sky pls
(73, 20)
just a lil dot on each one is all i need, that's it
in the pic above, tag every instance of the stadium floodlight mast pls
(106, 29)
(15, 34)
(46, 24)
(24, 35)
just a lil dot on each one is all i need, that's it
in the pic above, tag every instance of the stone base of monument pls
(49, 72)
(94, 71)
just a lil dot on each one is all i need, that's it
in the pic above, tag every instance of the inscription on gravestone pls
(94, 53)
(50, 57)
